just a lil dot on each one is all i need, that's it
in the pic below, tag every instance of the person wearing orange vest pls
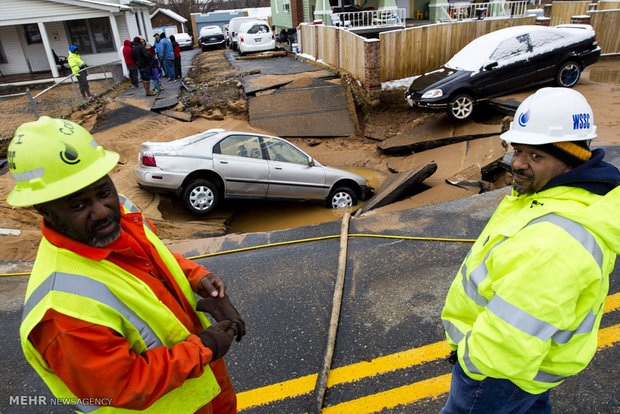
(110, 321)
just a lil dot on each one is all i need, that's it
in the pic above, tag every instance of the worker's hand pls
(222, 309)
(211, 286)
(218, 337)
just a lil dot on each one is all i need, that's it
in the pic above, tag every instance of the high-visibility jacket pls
(75, 62)
(105, 294)
(527, 301)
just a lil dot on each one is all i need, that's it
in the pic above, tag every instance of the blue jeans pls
(492, 395)
(169, 68)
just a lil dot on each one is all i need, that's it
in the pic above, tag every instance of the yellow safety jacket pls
(75, 62)
(528, 299)
(104, 294)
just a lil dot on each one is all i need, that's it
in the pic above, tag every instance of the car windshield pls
(210, 30)
(258, 28)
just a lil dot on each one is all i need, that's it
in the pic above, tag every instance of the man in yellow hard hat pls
(523, 312)
(110, 318)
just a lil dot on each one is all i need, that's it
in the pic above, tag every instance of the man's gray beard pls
(95, 242)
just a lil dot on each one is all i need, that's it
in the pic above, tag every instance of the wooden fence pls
(606, 24)
(420, 49)
(562, 11)
(607, 5)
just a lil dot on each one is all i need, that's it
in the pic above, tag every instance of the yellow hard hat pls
(51, 158)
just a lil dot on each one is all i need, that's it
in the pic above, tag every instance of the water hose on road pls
(321, 382)
(262, 246)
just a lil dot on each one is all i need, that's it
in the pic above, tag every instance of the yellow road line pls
(388, 363)
(349, 373)
(403, 395)
(430, 388)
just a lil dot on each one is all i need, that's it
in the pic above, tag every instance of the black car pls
(212, 37)
(504, 61)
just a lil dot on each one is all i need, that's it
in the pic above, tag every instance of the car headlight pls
(433, 93)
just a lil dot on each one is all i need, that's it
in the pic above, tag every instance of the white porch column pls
(48, 49)
(118, 43)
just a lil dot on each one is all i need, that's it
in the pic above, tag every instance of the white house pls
(32, 30)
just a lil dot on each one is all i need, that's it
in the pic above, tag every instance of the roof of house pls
(170, 14)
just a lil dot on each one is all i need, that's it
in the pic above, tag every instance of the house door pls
(34, 50)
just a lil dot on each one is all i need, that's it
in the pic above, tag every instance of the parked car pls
(184, 40)
(233, 28)
(205, 168)
(211, 37)
(255, 37)
(504, 61)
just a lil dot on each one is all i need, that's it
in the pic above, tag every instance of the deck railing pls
(389, 17)
(450, 12)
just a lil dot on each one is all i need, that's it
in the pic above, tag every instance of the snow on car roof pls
(476, 54)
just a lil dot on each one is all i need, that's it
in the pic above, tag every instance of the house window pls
(92, 35)
(2, 55)
(286, 5)
(32, 33)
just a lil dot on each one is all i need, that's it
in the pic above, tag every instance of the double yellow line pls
(430, 388)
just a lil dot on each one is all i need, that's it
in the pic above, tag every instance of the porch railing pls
(388, 17)
(450, 12)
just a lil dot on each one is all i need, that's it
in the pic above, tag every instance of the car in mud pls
(205, 168)
(212, 37)
(505, 61)
(255, 37)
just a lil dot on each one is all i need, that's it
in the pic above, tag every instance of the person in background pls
(131, 65)
(167, 55)
(177, 57)
(112, 319)
(157, 52)
(143, 60)
(523, 312)
(77, 67)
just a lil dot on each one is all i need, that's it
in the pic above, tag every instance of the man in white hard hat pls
(110, 318)
(523, 312)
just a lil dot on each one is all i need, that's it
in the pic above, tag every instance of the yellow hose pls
(384, 236)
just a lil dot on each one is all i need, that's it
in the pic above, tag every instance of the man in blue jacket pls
(166, 52)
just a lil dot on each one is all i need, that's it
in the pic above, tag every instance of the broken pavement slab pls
(308, 112)
(259, 82)
(452, 158)
(164, 103)
(181, 116)
(399, 187)
(424, 137)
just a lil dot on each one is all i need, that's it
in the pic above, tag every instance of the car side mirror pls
(491, 66)
(311, 161)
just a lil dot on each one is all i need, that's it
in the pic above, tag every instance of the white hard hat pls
(552, 115)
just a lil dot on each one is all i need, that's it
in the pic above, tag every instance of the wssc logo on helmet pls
(524, 117)
(69, 155)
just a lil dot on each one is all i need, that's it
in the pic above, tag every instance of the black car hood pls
(436, 78)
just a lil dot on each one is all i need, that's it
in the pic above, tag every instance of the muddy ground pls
(217, 100)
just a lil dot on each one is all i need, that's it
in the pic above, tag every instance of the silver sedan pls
(205, 168)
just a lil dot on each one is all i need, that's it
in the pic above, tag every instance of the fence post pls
(33, 104)
(372, 71)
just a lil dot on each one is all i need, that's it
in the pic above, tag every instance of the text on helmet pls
(581, 121)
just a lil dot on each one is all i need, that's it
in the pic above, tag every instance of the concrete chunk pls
(399, 187)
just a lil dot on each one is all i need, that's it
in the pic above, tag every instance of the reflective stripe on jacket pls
(75, 61)
(102, 293)
(527, 301)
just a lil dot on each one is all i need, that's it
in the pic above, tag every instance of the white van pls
(233, 28)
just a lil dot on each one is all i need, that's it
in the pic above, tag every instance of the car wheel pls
(201, 196)
(461, 107)
(204, 49)
(341, 197)
(568, 74)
